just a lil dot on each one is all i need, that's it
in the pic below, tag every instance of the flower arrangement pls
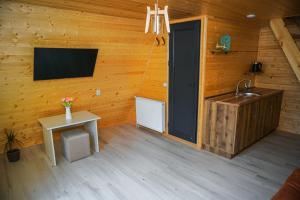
(67, 101)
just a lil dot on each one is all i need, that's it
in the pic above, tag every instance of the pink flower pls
(67, 100)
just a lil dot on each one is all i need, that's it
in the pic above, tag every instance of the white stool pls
(75, 144)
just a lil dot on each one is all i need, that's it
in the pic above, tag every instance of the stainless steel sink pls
(248, 94)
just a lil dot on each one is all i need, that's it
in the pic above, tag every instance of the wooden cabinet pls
(233, 123)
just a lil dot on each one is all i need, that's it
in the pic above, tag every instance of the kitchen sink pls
(248, 94)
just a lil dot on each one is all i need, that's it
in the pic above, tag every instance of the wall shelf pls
(214, 51)
(253, 73)
(220, 51)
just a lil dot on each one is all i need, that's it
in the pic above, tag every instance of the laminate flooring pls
(138, 164)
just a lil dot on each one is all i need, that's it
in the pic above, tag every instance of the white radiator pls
(150, 113)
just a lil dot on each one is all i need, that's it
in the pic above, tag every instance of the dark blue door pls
(184, 55)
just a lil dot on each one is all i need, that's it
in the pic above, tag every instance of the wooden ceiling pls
(231, 9)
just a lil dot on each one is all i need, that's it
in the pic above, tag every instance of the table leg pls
(49, 145)
(91, 127)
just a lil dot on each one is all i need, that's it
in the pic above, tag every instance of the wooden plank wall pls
(119, 72)
(128, 65)
(223, 71)
(279, 75)
(154, 76)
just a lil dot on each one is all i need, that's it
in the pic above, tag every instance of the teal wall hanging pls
(225, 41)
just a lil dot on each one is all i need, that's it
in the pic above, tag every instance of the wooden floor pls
(135, 164)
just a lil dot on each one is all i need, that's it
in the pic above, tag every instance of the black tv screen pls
(56, 63)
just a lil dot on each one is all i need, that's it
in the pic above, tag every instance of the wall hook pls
(163, 40)
(157, 41)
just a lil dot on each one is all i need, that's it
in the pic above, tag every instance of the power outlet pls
(98, 92)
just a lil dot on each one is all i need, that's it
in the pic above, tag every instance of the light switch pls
(165, 84)
(98, 92)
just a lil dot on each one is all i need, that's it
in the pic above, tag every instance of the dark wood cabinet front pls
(232, 125)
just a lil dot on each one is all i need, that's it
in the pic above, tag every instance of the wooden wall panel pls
(223, 71)
(279, 75)
(119, 71)
(128, 65)
(155, 75)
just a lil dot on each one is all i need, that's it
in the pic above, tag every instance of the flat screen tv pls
(57, 63)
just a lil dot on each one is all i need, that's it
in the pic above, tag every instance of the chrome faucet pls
(246, 86)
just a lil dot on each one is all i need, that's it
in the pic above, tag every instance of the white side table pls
(50, 124)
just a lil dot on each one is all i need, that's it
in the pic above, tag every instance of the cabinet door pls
(272, 113)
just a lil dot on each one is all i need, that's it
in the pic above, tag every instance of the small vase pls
(68, 114)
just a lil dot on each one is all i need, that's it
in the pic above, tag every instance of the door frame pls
(202, 63)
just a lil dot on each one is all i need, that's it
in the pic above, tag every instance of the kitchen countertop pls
(231, 98)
